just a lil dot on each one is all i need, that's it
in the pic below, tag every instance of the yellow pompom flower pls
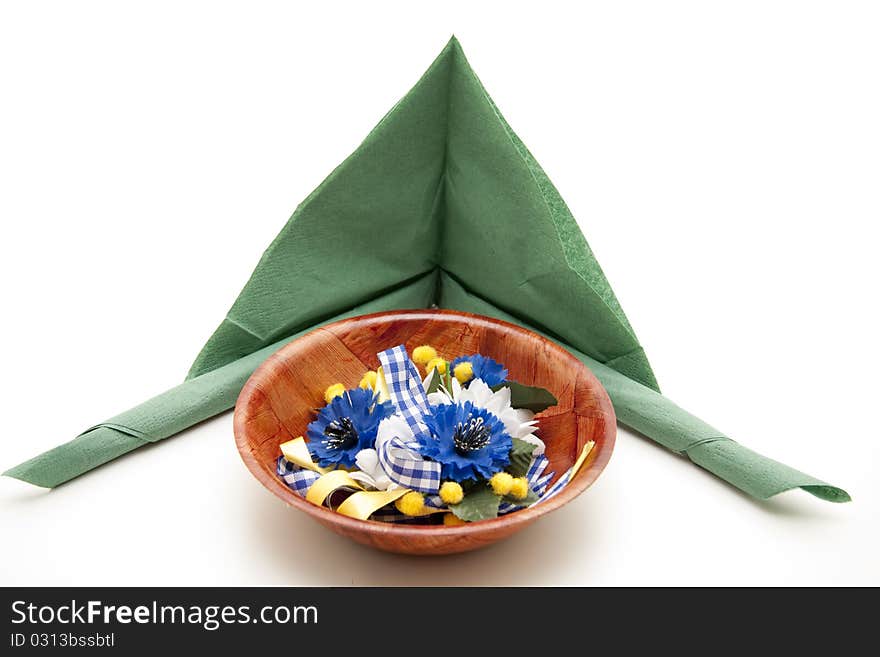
(464, 372)
(369, 381)
(437, 364)
(336, 390)
(451, 492)
(501, 483)
(520, 488)
(411, 504)
(452, 520)
(424, 354)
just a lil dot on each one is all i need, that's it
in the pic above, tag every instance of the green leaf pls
(470, 484)
(530, 397)
(480, 503)
(528, 500)
(520, 457)
(434, 383)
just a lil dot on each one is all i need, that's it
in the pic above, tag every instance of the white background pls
(723, 160)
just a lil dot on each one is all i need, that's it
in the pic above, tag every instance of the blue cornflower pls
(345, 426)
(468, 442)
(490, 371)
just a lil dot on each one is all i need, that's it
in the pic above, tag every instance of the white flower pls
(519, 422)
(393, 426)
(370, 472)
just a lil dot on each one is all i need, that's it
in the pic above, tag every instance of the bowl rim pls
(585, 477)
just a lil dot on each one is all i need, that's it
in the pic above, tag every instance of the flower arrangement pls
(454, 445)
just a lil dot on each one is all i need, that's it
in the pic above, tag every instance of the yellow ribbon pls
(585, 452)
(360, 505)
(382, 385)
(296, 451)
(365, 503)
(326, 484)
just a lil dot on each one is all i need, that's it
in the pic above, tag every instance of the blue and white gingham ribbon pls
(556, 487)
(400, 458)
(390, 514)
(536, 478)
(541, 480)
(405, 387)
(298, 479)
(406, 467)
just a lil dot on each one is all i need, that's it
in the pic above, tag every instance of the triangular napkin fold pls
(443, 205)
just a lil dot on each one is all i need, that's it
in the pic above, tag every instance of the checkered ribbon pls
(400, 458)
(536, 478)
(390, 514)
(298, 479)
(567, 476)
(555, 488)
(405, 387)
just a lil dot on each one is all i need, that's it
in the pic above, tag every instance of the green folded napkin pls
(443, 205)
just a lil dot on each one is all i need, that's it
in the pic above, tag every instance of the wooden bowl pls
(278, 402)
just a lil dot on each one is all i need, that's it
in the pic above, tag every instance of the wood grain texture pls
(280, 398)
